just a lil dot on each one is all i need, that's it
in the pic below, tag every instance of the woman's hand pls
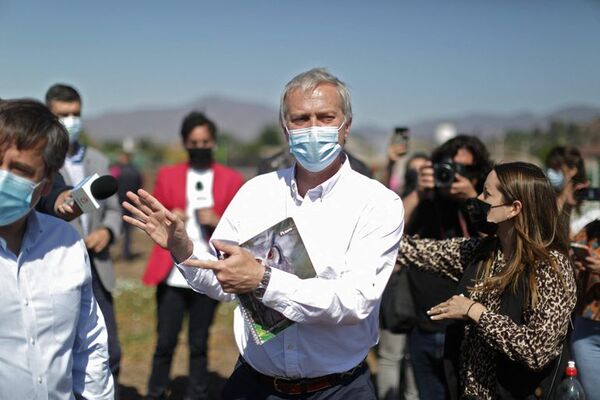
(462, 188)
(457, 307)
(592, 263)
(425, 179)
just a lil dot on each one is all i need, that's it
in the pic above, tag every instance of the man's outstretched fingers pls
(139, 215)
(134, 222)
(172, 217)
(204, 264)
(150, 201)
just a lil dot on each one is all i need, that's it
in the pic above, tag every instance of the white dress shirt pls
(351, 227)
(53, 340)
(198, 191)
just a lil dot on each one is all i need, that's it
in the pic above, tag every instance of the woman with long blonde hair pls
(516, 289)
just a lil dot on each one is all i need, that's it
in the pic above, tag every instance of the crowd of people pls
(489, 273)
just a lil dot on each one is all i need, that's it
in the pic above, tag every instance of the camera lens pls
(443, 174)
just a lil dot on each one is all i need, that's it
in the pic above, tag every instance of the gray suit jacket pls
(108, 216)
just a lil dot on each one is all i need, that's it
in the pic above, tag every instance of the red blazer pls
(170, 190)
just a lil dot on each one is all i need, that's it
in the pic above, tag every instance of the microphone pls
(91, 189)
(104, 187)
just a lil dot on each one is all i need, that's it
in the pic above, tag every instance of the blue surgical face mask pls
(315, 148)
(73, 126)
(15, 197)
(556, 178)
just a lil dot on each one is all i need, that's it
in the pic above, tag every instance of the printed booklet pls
(279, 247)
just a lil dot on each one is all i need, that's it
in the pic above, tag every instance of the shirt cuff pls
(196, 255)
(281, 286)
(180, 263)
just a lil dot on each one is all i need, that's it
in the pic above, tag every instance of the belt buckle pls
(293, 389)
(276, 379)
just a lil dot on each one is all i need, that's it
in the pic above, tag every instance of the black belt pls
(308, 385)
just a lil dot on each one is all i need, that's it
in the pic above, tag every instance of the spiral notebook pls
(279, 247)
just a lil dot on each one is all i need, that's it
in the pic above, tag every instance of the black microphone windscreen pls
(104, 187)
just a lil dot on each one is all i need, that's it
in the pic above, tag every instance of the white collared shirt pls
(198, 194)
(53, 339)
(351, 227)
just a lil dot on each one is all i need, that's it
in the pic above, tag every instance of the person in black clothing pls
(434, 210)
(129, 178)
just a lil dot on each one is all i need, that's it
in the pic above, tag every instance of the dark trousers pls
(105, 303)
(427, 357)
(172, 304)
(127, 253)
(243, 384)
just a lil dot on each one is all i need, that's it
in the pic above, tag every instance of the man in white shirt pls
(99, 228)
(53, 341)
(350, 226)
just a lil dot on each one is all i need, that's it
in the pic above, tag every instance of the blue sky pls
(403, 60)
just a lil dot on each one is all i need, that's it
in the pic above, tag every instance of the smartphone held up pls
(588, 194)
(580, 251)
(399, 141)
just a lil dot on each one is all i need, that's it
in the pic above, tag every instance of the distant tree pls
(271, 135)
(592, 131)
(154, 152)
(538, 142)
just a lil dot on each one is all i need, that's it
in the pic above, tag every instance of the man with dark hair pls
(198, 191)
(53, 340)
(99, 228)
(56, 202)
(434, 210)
(63, 93)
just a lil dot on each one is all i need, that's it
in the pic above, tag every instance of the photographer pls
(565, 169)
(434, 210)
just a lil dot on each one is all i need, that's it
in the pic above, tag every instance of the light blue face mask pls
(315, 148)
(73, 126)
(556, 178)
(15, 197)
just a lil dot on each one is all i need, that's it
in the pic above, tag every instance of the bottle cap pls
(571, 370)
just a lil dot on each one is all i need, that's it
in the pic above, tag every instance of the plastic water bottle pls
(570, 388)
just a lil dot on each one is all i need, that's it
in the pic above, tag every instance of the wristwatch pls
(259, 292)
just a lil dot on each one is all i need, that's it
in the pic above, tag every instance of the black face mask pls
(477, 212)
(200, 158)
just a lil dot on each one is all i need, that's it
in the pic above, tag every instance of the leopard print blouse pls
(534, 344)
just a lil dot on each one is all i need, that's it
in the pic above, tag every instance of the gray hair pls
(308, 81)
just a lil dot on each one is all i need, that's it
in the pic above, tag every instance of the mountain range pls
(245, 119)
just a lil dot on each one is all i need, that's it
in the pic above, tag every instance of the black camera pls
(444, 172)
(588, 194)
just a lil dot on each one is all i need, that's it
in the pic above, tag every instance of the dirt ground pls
(136, 318)
(135, 310)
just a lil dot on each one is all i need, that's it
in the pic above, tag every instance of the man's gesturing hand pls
(165, 228)
(238, 272)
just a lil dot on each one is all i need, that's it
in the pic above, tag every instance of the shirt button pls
(40, 380)
(32, 341)
(26, 302)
